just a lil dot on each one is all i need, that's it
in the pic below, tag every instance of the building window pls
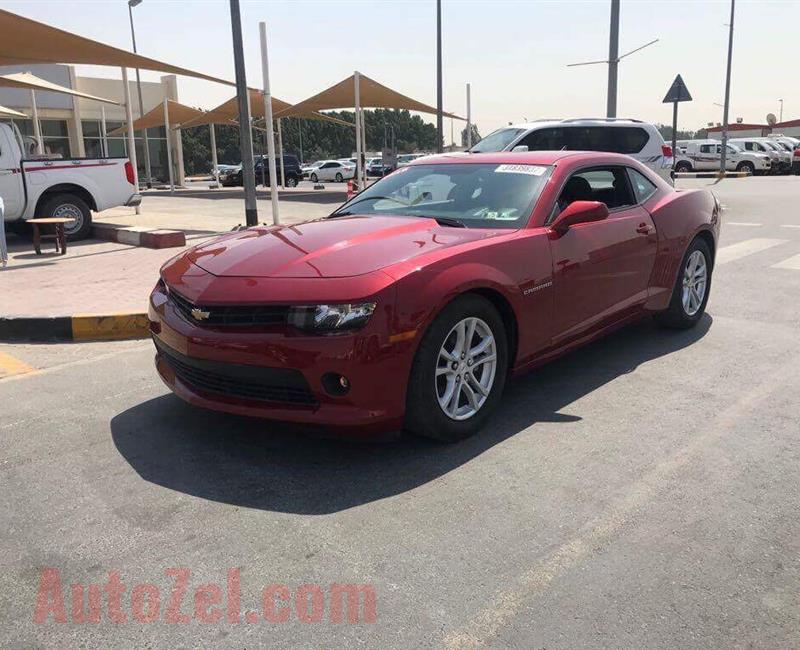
(118, 146)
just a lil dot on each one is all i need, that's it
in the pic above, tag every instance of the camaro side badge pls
(199, 314)
(538, 287)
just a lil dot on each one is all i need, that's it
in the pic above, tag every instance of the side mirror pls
(579, 212)
(520, 147)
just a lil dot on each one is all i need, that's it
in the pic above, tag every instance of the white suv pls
(638, 139)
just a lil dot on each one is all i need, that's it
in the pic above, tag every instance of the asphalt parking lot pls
(641, 492)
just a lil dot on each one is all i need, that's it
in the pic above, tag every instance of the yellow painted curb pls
(108, 327)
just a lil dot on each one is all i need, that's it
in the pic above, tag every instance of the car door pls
(10, 178)
(707, 157)
(328, 171)
(602, 269)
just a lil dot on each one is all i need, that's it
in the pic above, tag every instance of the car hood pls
(342, 247)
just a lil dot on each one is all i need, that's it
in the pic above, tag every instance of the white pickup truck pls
(704, 155)
(60, 187)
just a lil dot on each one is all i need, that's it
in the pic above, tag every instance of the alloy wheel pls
(695, 280)
(465, 368)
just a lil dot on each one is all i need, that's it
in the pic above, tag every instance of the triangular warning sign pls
(678, 92)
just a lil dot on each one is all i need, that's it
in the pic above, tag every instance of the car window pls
(497, 141)
(628, 139)
(608, 185)
(706, 148)
(479, 195)
(547, 139)
(643, 187)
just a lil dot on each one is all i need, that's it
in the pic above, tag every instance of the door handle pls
(643, 229)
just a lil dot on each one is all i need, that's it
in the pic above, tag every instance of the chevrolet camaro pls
(410, 306)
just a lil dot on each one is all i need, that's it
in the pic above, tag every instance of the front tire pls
(291, 181)
(746, 167)
(459, 371)
(72, 207)
(692, 288)
(313, 178)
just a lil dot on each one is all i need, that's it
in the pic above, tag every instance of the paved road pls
(642, 492)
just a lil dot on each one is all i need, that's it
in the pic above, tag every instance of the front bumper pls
(292, 366)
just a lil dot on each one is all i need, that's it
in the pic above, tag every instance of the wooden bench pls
(57, 234)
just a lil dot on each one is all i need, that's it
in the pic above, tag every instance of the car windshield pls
(497, 141)
(475, 195)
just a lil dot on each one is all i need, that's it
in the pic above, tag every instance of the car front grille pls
(281, 385)
(229, 315)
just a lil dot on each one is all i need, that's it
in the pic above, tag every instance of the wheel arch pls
(66, 188)
(708, 237)
(507, 313)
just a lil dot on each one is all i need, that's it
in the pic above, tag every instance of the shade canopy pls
(228, 112)
(26, 41)
(10, 112)
(28, 80)
(371, 95)
(178, 115)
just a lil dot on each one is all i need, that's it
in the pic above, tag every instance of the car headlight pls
(331, 318)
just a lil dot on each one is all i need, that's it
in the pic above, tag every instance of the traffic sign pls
(678, 92)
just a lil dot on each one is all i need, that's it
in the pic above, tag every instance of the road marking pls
(742, 223)
(791, 263)
(12, 366)
(790, 225)
(505, 606)
(744, 248)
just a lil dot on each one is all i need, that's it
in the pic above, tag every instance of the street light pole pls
(245, 132)
(439, 133)
(724, 148)
(780, 119)
(613, 60)
(147, 173)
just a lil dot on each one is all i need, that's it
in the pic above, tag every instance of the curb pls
(75, 328)
(139, 236)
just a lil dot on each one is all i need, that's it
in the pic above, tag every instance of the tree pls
(476, 137)
(319, 139)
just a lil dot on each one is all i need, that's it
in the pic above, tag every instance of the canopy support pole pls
(273, 175)
(364, 147)
(169, 146)
(37, 129)
(104, 137)
(214, 163)
(280, 153)
(131, 140)
(469, 119)
(357, 100)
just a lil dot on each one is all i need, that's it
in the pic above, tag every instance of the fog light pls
(335, 384)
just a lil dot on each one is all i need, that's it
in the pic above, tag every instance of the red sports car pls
(410, 305)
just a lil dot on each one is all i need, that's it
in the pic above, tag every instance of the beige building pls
(71, 125)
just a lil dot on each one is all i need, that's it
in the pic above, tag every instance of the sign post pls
(678, 92)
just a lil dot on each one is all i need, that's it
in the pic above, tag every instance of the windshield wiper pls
(445, 221)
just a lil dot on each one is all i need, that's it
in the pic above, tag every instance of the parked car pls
(413, 303)
(759, 145)
(375, 167)
(291, 168)
(407, 158)
(63, 187)
(793, 145)
(307, 169)
(704, 155)
(635, 138)
(332, 170)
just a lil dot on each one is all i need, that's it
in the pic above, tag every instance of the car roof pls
(519, 157)
(578, 121)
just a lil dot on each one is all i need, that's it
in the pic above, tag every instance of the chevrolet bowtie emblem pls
(199, 314)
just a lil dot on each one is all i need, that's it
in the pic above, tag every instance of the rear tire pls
(433, 378)
(73, 207)
(685, 307)
(291, 181)
(683, 168)
(339, 177)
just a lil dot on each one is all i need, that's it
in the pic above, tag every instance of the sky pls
(513, 53)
